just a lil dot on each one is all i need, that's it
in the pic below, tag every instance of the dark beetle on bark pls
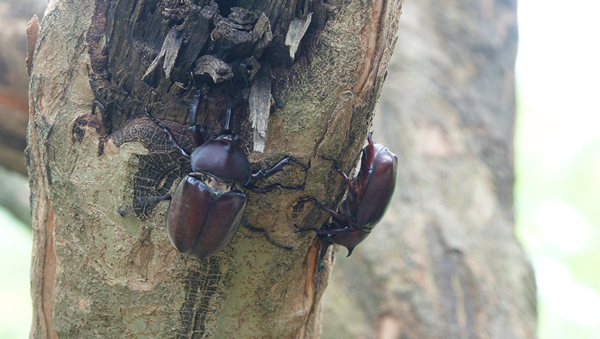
(369, 196)
(207, 206)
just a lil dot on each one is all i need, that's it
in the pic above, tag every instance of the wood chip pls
(216, 68)
(296, 32)
(168, 53)
(260, 106)
(261, 35)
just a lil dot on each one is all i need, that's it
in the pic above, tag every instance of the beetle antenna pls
(230, 104)
(341, 173)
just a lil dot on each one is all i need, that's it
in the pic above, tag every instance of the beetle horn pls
(350, 249)
(230, 104)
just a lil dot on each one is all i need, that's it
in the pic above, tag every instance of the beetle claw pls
(321, 267)
(293, 188)
(325, 243)
(304, 166)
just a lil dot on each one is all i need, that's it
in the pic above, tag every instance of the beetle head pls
(222, 158)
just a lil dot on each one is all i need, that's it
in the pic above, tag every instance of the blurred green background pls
(15, 254)
(557, 163)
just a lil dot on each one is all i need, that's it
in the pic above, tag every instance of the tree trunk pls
(444, 262)
(92, 152)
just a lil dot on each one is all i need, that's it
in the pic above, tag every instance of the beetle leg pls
(272, 187)
(152, 200)
(332, 232)
(335, 215)
(97, 104)
(300, 230)
(168, 131)
(341, 173)
(328, 233)
(325, 243)
(265, 234)
(260, 174)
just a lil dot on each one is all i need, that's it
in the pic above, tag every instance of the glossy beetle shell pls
(202, 221)
(222, 158)
(363, 208)
(375, 184)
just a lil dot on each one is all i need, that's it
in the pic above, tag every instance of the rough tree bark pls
(444, 262)
(91, 151)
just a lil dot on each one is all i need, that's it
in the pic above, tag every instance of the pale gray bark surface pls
(98, 274)
(444, 263)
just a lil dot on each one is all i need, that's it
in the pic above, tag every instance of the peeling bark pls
(98, 65)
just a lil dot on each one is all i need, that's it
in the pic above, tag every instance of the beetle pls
(369, 196)
(207, 206)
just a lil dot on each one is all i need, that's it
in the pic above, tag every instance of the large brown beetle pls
(369, 196)
(207, 206)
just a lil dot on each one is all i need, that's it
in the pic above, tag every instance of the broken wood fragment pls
(260, 106)
(234, 33)
(261, 35)
(168, 53)
(296, 32)
(216, 68)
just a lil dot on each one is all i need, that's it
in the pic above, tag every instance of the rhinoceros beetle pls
(369, 196)
(207, 206)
